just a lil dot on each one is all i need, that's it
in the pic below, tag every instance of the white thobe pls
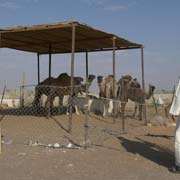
(175, 110)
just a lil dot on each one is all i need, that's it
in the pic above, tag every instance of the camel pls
(133, 91)
(126, 88)
(60, 86)
(106, 91)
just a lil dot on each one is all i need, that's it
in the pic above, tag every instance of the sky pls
(153, 23)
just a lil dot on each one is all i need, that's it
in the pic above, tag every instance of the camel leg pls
(123, 104)
(36, 101)
(60, 103)
(105, 108)
(49, 102)
(135, 109)
(76, 109)
(90, 101)
(140, 111)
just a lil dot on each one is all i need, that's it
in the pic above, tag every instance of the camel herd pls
(125, 88)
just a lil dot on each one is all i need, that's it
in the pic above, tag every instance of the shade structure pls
(38, 38)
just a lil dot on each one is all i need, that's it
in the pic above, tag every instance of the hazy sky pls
(153, 23)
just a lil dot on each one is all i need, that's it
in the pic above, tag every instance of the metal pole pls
(50, 60)
(72, 77)
(4, 90)
(38, 68)
(87, 73)
(86, 122)
(0, 121)
(49, 106)
(114, 73)
(143, 83)
(155, 105)
(22, 90)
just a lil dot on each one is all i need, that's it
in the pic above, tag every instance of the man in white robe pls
(175, 111)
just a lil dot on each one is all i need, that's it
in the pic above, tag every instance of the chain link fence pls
(41, 115)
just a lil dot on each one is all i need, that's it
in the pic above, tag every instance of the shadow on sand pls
(148, 150)
(32, 111)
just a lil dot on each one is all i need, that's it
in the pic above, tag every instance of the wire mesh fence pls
(40, 115)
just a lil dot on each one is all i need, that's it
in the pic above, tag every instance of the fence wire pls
(39, 115)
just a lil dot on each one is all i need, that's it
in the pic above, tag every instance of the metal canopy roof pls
(58, 37)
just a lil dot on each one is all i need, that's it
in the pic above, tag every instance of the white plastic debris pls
(159, 101)
(56, 145)
(70, 145)
(8, 142)
(36, 144)
(70, 165)
(22, 154)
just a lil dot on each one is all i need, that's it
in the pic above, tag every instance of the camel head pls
(91, 77)
(134, 83)
(78, 79)
(151, 91)
(99, 79)
(127, 78)
(152, 88)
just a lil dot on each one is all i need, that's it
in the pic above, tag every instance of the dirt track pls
(112, 155)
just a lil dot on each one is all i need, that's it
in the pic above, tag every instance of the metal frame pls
(113, 49)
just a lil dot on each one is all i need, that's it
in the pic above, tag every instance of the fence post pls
(86, 122)
(1, 118)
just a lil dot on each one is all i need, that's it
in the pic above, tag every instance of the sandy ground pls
(142, 153)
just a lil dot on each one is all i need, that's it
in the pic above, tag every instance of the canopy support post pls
(49, 105)
(72, 76)
(50, 54)
(38, 68)
(87, 66)
(143, 84)
(86, 122)
(114, 77)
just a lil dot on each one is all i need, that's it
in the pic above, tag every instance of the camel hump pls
(62, 75)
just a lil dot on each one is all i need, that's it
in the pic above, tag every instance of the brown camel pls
(132, 90)
(60, 86)
(126, 88)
